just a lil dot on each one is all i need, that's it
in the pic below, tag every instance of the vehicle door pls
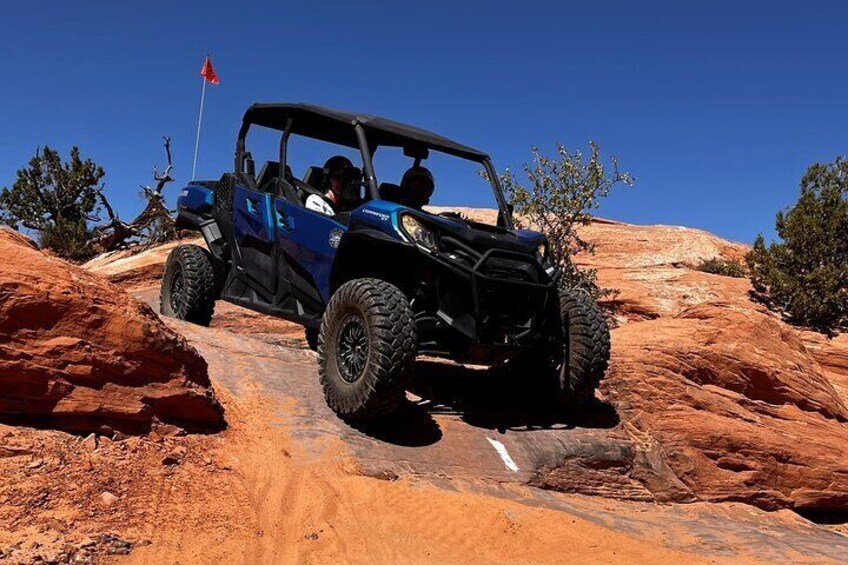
(308, 240)
(254, 238)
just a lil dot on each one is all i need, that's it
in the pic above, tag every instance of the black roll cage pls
(367, 152)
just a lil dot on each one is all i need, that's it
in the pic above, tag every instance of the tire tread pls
(393, 345)
(590, 346)
(199, 282)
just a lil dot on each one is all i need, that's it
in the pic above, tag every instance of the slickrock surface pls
(723, 401)
(716, 399)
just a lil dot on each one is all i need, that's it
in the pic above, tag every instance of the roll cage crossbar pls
(358, 131)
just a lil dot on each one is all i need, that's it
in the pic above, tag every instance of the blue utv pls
(385, 281)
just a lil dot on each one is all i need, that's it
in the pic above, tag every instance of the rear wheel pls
(366, 348)
(188, 286)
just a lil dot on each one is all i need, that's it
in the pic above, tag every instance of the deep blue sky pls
(716, 107)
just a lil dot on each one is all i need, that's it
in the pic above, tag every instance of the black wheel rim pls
(177, 286)
(352, 348)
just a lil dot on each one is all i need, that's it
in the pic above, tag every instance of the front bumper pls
(490, 304)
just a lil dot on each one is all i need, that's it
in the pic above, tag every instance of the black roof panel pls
(336, 126)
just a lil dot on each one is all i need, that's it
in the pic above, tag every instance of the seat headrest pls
(314, 177)
(270, 170)
(390, 192)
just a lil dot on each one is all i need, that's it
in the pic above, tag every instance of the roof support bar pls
(366, 162)
(503, 206)
(284, 142)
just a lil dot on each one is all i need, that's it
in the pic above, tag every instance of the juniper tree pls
(805, 274)
(55, 199)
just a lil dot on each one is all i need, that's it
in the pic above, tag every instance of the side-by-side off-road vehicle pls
(386, 280)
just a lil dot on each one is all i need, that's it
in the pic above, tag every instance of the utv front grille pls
(510, 294)
(505, 274)
(495, 263)
(509, 270)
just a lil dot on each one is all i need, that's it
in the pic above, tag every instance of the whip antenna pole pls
(199, 122)
(209, 75)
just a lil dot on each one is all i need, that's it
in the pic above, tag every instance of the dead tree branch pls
(154, 225)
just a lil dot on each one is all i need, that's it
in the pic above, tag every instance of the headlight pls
(418, 232)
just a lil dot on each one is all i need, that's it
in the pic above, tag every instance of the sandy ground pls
(248, 495)
(299, 509)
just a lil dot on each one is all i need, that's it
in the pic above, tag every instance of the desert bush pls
(55, 199)
(68, 240)
(723, 267)
(805, 274)
(560, 194)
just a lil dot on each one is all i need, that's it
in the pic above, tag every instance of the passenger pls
(417, 186)
(342, 189)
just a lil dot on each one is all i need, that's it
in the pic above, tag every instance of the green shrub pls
(559, 195)
(56, 199)
(68, 240)
(723, 267)
(805, 275)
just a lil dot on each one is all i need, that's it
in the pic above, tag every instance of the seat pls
(247, 180)
(268, 181)
(269, 172)
(314, 177)
(394, 193)
(388, 191)
(284, 189)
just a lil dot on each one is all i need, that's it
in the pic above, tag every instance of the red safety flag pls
(208, 73)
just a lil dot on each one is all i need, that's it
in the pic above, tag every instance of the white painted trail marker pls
(504, 454)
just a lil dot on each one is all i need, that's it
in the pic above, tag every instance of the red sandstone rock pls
(739, 407)
(131, 268)
(80, 354)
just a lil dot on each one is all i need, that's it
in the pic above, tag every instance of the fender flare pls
(371, 253)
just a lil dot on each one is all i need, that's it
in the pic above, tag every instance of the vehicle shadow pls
(411, 426)
(481, 398)
(491, 400)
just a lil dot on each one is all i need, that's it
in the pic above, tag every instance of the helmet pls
(340, 167)
(332, 166)
(419, 183)
(337, 162)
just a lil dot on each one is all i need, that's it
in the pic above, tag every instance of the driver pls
(342, 189)
(417, 186)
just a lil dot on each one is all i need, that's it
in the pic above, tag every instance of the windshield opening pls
(458, 185)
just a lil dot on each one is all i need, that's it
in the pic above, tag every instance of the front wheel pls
(567, 372)
(366, 348)
(585, 347)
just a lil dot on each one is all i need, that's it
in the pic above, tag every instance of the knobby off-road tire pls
(366, 348)
(567, 372)
(189, 286)
(586, 347)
